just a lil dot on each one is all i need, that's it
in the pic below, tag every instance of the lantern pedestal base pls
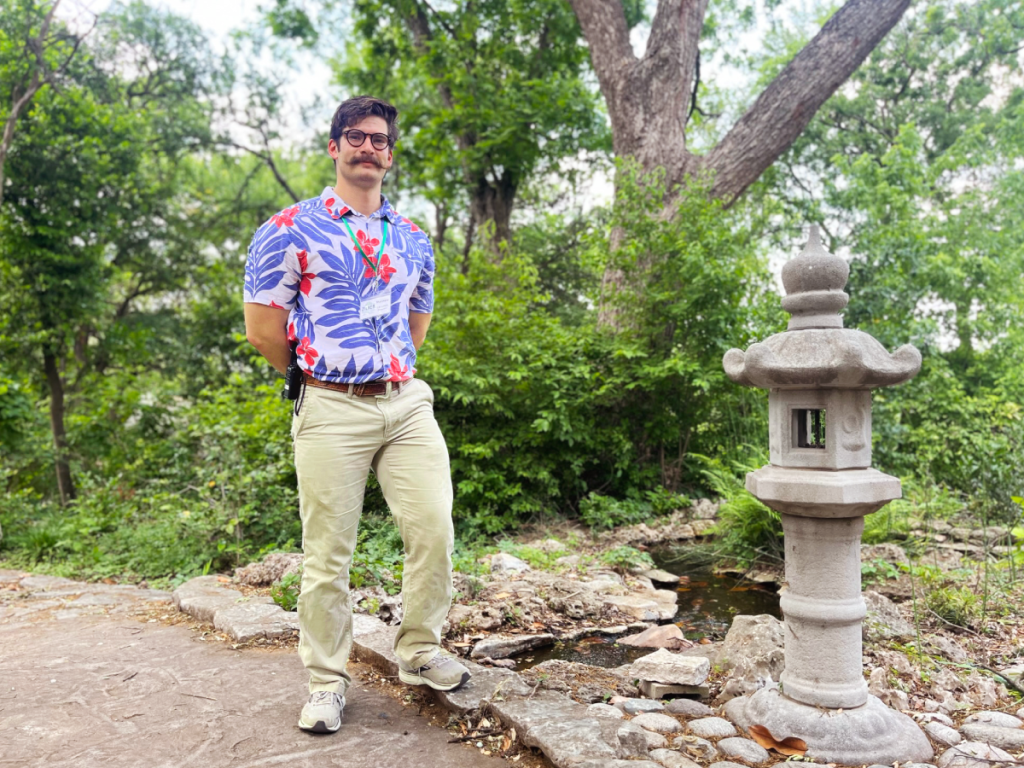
(871, 734)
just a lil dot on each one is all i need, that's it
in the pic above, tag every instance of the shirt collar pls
(337, 208)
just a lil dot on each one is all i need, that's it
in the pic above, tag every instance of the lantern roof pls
(816, 351)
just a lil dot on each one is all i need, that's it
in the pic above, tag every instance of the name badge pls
(375, 306)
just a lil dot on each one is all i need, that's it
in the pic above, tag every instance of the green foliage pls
(749, 531)
(960, 606)
(286, 591)
(878, 570)
(602, 512)
(626, 559)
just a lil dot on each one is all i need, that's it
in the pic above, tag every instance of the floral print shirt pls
(304, 260)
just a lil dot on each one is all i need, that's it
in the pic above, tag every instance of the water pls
(707, 605)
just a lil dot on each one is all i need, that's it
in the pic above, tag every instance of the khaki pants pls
(338, 439)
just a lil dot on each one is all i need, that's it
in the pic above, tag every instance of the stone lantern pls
(819, 376)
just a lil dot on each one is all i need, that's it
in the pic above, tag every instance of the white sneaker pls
(442, 673)
(322, 713)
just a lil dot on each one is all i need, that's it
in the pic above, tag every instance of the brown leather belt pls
(368, 389)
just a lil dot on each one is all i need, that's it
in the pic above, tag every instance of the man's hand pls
(418, 324)
(266, 328)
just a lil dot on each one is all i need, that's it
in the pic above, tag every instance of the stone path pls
(84, 684)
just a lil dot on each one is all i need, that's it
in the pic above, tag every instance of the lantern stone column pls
(819, 376)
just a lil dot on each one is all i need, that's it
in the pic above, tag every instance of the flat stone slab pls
(661, 690)
(750, 752)
(712, 728)
(1011, 739)
(971, 754)
(658, 636)
(688, 708)
(251, 620)
(636, 706)
(669, 758)
(1000, 719)
(943, 734)
(203, 596)
(663, 666)
(659, 576)
(503, 646)
(604, 710)
(657, 722)
(655, 740)
(48, 583)
(640, 608)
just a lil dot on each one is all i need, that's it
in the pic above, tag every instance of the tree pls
(650, 98)
(492, 94)
(90, 184)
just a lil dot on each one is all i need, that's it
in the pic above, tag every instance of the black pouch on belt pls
(292, 379)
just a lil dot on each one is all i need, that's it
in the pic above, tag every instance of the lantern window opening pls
(810, 428)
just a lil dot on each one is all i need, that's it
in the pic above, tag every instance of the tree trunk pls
(64, 482)
(650, 98)
(491, 209)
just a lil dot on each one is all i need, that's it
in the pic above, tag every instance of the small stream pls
(707, 604)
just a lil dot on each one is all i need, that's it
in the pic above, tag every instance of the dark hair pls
(352, 111)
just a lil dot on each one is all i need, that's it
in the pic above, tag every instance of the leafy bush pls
(626, 559)
(957, 605)
(286, 591)
(600, 512)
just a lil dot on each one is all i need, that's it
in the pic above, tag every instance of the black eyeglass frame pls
(363, 134)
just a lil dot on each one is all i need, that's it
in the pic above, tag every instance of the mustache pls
(370, 159)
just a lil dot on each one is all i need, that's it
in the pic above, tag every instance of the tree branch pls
(604, 25)
(787, 105)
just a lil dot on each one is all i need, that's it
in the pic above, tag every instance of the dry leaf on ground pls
(789, 746)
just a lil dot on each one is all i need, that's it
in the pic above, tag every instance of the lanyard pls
(375, 268)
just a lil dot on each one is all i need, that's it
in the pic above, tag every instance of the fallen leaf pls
(789, 746)
(462, 645)
(505, 744)
(502, 595)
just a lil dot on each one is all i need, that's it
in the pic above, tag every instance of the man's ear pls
(332, 149)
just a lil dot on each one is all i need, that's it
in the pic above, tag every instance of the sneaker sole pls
(410, 678)
(320, 727)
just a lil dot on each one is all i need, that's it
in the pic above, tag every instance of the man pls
(347, 282)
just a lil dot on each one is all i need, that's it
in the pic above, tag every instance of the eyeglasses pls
(356, 138)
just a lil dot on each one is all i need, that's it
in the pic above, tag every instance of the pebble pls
(1020, 713)
(918, 765)
(712, 728)
(655, 721)
(943, 734)
(727, 764)
(696, 747)
(604, 710)
(935, 717)
(655, 740)
(998, 719)
(1004, 738)
(744, 749)
(972, 754)
(636, 706)
(671, 759)
(688, 708)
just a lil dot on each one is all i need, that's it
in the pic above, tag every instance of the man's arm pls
(266, 328)
(418, 324)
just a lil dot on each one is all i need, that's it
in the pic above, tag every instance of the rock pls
(637, 706)
(604, 587)
(918, 765)
(203, 596)
(999, 719)
(659, 636)
(656, 605)
(659, 576)
(547, 545)
(984, 692)
(704, 509)
(884, 620)
(274, 567)
(935, 717)
(655, 740)
(1011, 739)
(948, 649)
(972, 754)
(459, 615)
(570, 561)
(752, 654)
(671, 759)
(503, 562)
(586, 680)
(890, 553)
(696, 747)
(688, 708)
(503, 663)
(666, 667)
(702, 527)
(748, 751)
(712, 728)
(578, 604)
(250, 620)
(657, 722)
(727, 764)
(604, 710)
(946, 736)
(501, 647)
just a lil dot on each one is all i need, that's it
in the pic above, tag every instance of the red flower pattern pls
(367, 244)
(386, 270)
(275, 305)
(305, 350)
(285, 218)
(398, 371)
(291, 332)
(411, 225)
(307, 277)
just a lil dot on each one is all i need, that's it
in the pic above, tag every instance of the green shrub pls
(626, 559)
(286, 591)
(957, 605)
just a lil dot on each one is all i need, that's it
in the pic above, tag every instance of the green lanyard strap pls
(375, 268)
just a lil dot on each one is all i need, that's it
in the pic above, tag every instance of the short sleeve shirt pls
(305, 260)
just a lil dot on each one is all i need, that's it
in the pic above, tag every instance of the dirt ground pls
(106, 691)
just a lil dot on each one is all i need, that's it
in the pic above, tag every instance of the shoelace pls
(438, 661)
(323, 697)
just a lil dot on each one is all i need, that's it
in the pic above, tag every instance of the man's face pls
(361, 166)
